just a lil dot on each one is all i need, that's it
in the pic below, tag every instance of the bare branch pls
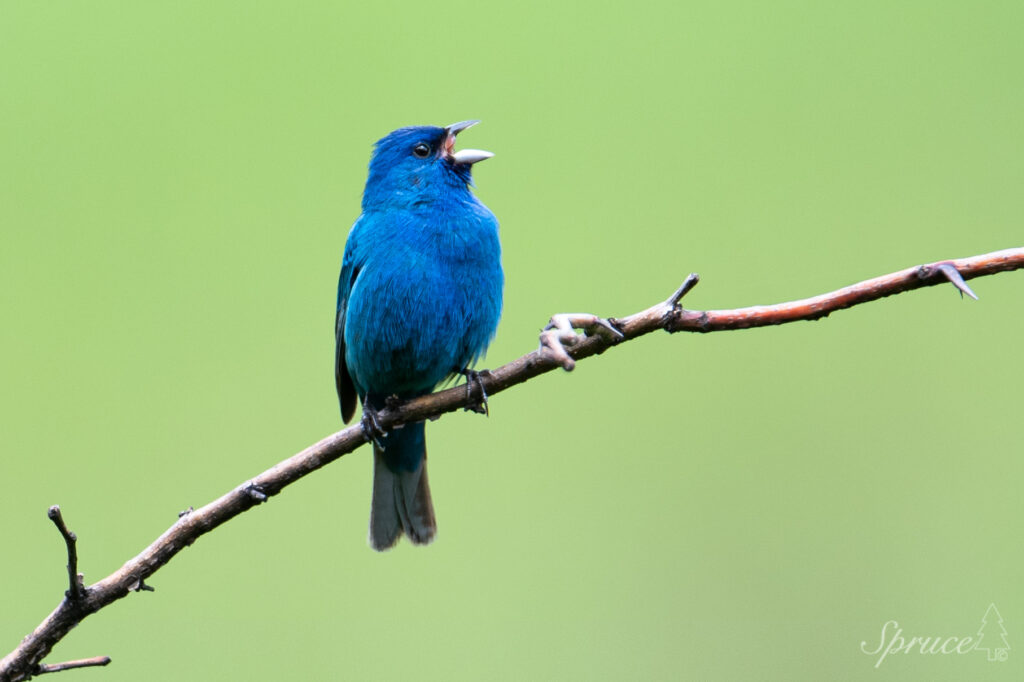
(68, 665)
(24, 661)
(684, 288)
(76, 588)
(855, 294)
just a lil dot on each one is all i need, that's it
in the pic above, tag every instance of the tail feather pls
(401, 493)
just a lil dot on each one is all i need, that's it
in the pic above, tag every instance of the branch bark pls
(558, 349)
(75, 587)
(71, 665)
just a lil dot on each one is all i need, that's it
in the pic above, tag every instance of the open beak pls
(463, 155)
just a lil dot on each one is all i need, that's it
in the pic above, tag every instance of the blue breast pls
(426, 298)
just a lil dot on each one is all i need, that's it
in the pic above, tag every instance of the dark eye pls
(422, 150)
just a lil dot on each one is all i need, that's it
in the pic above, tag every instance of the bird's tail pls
(401, 495)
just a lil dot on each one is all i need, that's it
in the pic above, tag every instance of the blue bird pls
(419, 300)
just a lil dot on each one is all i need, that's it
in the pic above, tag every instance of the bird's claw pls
(561, 332)
(371, 426)
(473, 377)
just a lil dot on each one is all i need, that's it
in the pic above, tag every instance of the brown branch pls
(76, 589)
(25, 660)
(855, 294)
(68, 665)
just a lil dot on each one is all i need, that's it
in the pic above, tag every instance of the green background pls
(176, 184)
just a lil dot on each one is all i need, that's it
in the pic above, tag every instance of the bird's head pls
(419, 164)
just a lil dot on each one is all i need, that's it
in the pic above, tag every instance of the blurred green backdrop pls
(176, 185)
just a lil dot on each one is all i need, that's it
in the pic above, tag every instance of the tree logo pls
(992, 635)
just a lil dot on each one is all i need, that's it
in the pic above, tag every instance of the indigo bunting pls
(419, 299)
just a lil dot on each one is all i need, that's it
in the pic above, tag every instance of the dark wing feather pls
(347, 395)
(346, 389)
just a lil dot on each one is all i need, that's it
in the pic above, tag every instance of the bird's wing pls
(350, 266)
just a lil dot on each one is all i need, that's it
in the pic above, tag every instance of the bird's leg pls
(473, 377)
(561, 332)
(371, 425)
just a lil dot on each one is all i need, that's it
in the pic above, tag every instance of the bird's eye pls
(422, 150)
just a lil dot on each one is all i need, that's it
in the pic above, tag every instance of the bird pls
(419, 300)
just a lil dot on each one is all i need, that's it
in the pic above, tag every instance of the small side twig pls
(93, 662)
(141, 586)
(949, 271)
(76, 586)
(689, 283)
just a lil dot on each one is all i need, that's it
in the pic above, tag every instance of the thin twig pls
(76, 589)
(689, 283)
(863, 292)
(93, 662)
(24, 661)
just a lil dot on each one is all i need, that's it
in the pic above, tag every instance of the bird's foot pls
(561, 332)
(371, 426)
(479, 405)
